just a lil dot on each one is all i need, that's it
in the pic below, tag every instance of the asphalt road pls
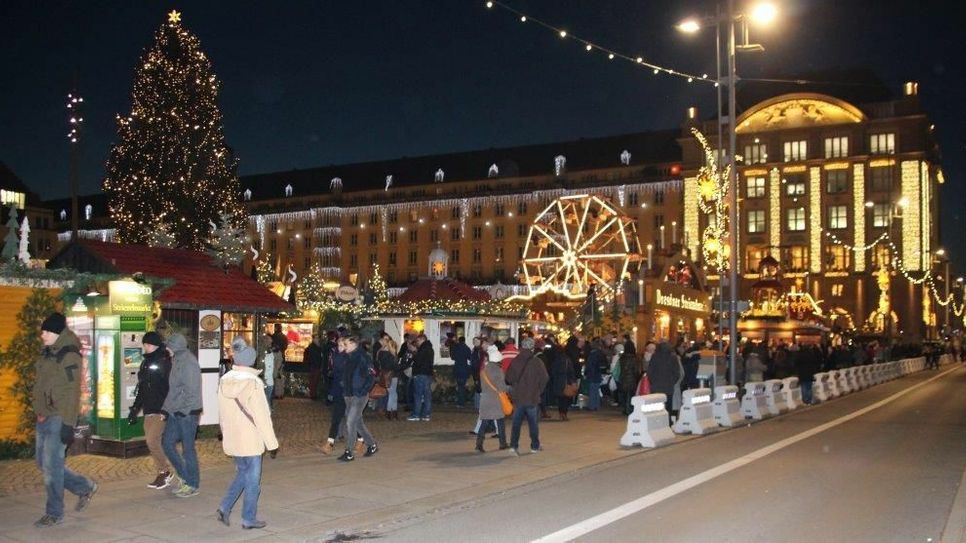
(891, 473)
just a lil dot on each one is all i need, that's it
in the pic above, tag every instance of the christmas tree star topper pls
(174, 17)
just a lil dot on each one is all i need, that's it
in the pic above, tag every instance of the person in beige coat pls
(246, 425)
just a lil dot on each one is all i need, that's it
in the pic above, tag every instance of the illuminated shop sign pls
(681, 301)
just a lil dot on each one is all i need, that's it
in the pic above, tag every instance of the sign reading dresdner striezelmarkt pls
(674, 297)
(128, 297)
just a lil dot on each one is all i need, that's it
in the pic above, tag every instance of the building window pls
(882, 144)
(354, 220)
(306, 243)
(836, 181)
(454, 234)
(392, 258)
(796, 258)
(353, 260)
(413, 215)
(756, 221)
(838, 217)
(755, 254)
(372, 259)
(880, 179)
(393, 238)
(412, 258)
(756, 153)
(658, 197)
(796, 150)
(372, 238)
(522, 208)
(658, 221)
(477, 210)
(837, 258)
(521, 230)
(373, 219)
(795, 219)
(632, 199)
(477, 232)
(354, 240)
(499, 254)
(756, 187)
(499, 210)
(454, 256)
(413, 236)
(477, 255)
(455, 213)
(794, 186)
(434, 235)
(498, 231)
(837, 147)
(882, 256)
(837, 290)
(273, 245)
(880, 215)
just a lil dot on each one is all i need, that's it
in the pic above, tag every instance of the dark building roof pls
(199, 284)
(584, 154)
(10, 181)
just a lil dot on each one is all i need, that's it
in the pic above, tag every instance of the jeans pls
(269, 396)
(248, 475)
(593, 400)
(461, 389)
(530, 412)
(422, 396)
(50, 459)
(182, 429)
(392, 402)
(807, 391)
(338, 413)
(355, 405)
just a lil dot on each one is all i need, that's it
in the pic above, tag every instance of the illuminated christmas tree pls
(11, 242)
(264, 271)
(310, 292)
(161, 236)
(378, 286)
(171, 164)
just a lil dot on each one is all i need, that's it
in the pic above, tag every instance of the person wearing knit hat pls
(56, 401)
(491, 408)
(152, 390)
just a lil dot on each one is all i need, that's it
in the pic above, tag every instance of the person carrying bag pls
(494, 400)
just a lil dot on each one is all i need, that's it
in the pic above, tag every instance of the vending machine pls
(119, 323)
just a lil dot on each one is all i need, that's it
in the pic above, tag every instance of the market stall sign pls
(680, 300)
(346, 293)
(128, 297)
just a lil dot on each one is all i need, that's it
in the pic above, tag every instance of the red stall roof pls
(442, 289)
(198, 283)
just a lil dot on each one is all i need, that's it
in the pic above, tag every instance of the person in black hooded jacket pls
(151, 392)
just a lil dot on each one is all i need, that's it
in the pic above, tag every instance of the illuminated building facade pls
(835, 192)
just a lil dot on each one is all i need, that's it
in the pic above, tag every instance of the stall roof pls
(442, 289)
(198, 284)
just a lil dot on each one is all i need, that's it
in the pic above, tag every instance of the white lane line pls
(596, 522)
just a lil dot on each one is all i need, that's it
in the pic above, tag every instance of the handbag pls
(378, 391)
(505, 402)
(644, 386)
(569, 390)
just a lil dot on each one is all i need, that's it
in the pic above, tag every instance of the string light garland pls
(591, 47)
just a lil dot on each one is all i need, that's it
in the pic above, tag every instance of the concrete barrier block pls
(792, 392)
(774, 398)
(820, 388)
(754, 405)
(726, 407)
(648, 424)
(695, 415)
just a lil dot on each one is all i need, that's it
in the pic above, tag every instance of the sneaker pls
(347, 457)
(413, 418)
(85, 500)
(371, 450)
(48, 520)
(178, 484)
(535, 451)
(513, 452)
(425, 419)
(255, 525)
(327, 447)
(186, 492)
(504, 447)
(161, 481)
(223, 517)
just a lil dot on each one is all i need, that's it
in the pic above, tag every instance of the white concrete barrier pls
(726, 407)
(774, 398)
(842, 380)
(648, 424)
(820, 388)
(695, 415)
(834, 384)
(792, 392)
(754, 405)
(852, 376)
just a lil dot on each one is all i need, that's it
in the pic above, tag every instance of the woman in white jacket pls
(246, 425)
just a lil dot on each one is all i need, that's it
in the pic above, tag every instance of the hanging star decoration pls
(174, 17)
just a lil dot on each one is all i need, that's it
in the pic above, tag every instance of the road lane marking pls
(608, 517)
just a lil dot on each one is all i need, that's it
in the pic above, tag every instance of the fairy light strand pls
(590, 46)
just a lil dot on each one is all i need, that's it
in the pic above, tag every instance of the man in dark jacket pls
(357, 381)
(422, 380)
(182, 410)
(664, 372)
(592, 372)
(151, 392)
(527, 376)
(313, 361)
(807, 365)
(56, 399)
(460, 353)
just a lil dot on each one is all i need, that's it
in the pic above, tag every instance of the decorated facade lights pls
(590, 46)
(712, 189)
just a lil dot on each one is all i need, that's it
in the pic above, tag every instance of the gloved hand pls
(66, 434)
(273, 453)
(132, 418)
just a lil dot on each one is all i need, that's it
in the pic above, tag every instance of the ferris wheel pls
(577, 242)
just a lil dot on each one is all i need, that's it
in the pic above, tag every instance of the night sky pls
(314, 83)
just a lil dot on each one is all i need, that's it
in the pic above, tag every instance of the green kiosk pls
(110, 328)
